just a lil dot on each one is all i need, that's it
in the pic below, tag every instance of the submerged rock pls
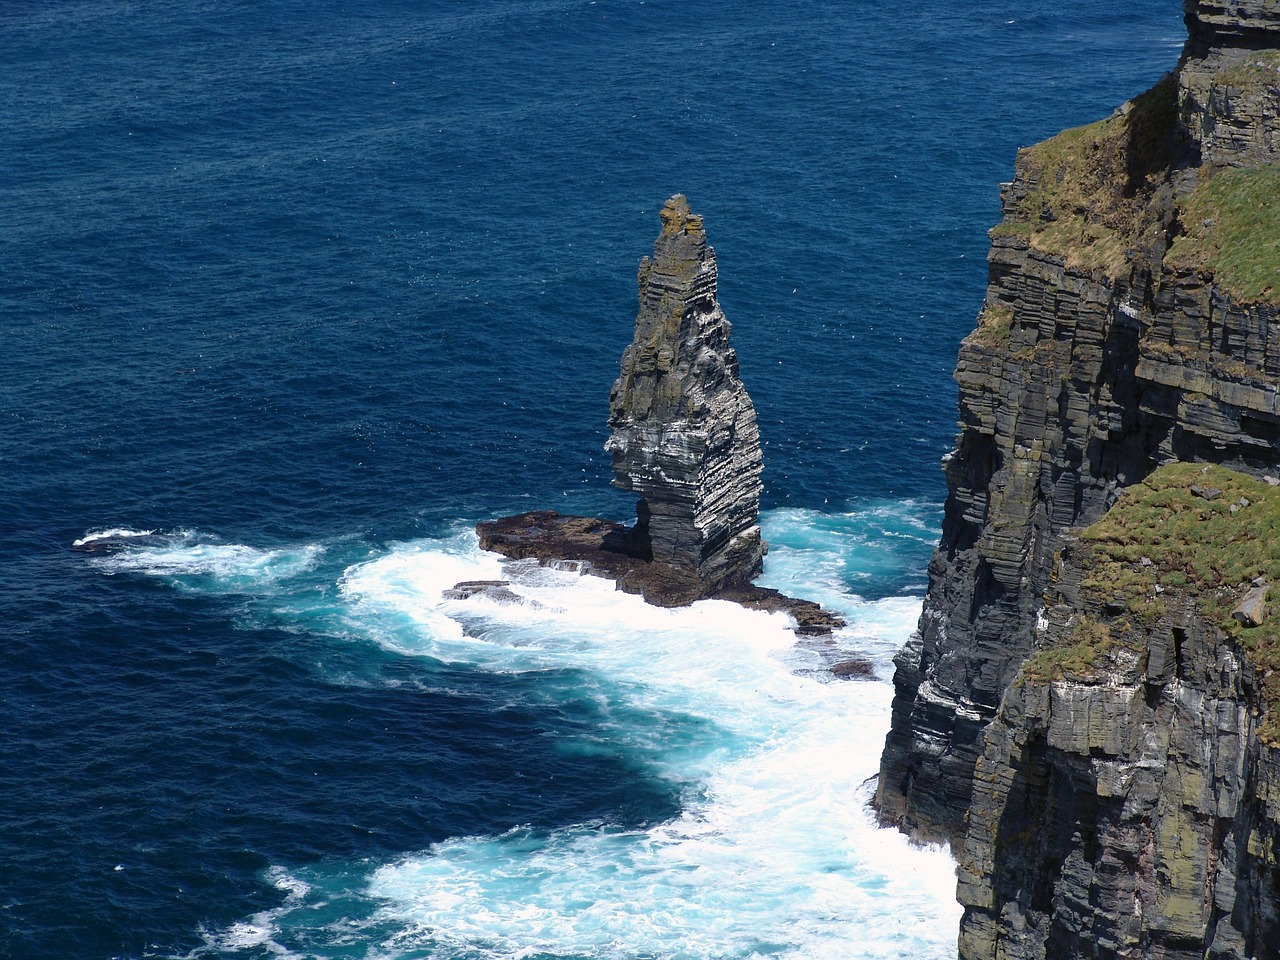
(855, 669)
(684, 429)
(497, 590)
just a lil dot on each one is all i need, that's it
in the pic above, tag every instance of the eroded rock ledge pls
(684, 437)
(609, 549)
(1127, 799)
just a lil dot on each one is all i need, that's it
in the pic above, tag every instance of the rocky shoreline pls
(604, 548)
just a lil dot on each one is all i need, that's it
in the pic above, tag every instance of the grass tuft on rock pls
(1082, 653)
(995, 324)
(1258, 68)
(1176, 534)
(1092, 192)
(1232, 224)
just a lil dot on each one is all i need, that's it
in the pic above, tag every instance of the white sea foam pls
(258, 932)
(397, 598)
(775, 851)
(193, 561)
(115, 533)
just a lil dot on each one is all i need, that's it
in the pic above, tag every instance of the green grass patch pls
(1193, 547)
(1082, 653)
(995, 324)
(1091, 196)
(1257, 69)
(1232, 224)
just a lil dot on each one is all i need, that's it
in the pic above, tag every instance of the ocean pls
(294, 293)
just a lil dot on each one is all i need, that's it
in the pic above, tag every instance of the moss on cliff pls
(995, 324)
(1091, 192)
(1232, 224)
(1258, 68)
(1081, 653)
(1188, 530)
(1097, 197)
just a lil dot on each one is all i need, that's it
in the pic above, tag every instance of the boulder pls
(1252, 609)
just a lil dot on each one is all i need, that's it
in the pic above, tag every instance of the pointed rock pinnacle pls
(684, 434)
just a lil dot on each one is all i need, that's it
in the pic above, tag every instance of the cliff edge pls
(1130, 325)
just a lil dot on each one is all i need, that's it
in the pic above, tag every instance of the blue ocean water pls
(303, 290)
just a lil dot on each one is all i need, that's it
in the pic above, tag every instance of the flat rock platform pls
(613, 551)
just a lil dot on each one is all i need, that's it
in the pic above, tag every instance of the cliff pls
(1130, 322)
(1127, 801)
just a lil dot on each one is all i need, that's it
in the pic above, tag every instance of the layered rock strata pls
(684, 433)
(1127, 799)
(1130, 321)
(684, 437)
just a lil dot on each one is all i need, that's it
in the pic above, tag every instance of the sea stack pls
(684, 434)
(684, 437)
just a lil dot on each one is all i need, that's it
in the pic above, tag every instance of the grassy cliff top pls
(1089, 190)
(1255, 69)
(1096, 196)
(1173, 535)
(1232, 224)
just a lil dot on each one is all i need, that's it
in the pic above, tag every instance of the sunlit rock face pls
(1103, 758)
(684, 434)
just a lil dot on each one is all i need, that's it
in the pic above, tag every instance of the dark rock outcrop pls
(684, 437)
(498, 591)
(1133, 814)
(684, 430)
(604, 548)
(1127, 799)
(1122, 329)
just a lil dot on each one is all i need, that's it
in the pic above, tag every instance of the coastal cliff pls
(1102, 764)
(1127, 801)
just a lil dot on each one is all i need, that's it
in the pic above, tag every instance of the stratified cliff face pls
(1127, 802)
(1130, 321)
(684, 430)
(1228, 82)
(1051, 427)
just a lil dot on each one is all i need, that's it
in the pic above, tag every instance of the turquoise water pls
(295, 293)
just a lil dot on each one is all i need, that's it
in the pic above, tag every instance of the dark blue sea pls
(294, 293)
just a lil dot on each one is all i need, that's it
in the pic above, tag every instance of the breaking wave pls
(774, 852)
